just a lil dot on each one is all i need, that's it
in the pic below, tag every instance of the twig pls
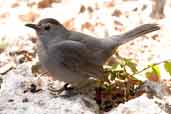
(150, 67)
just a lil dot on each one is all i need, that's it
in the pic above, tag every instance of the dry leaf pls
(87, 25)
(45, 3)
(82, 9)
(69, 24)
(30, 16)
(117, 13)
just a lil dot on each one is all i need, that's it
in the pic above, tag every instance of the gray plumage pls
(73, 56)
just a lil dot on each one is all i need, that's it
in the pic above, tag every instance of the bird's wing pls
(76, 57)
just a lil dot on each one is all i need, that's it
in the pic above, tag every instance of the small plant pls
(121, 84)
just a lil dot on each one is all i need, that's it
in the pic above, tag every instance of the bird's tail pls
(134, 33)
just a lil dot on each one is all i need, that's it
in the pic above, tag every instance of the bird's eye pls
(47, 27)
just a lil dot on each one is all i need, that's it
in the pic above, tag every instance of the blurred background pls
(101, 18)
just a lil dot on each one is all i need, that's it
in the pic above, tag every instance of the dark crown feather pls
(49, 20)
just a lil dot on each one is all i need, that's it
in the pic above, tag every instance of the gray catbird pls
(73, 57)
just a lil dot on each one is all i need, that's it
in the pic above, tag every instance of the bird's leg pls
(55, 91)
(87, 87)
(65, 91)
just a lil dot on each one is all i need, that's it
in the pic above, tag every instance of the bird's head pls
(49, 28)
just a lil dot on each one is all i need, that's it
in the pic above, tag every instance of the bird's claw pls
(65, 91)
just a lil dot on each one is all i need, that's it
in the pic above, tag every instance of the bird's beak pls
(34, 26)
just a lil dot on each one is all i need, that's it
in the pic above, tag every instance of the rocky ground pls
(22, 91)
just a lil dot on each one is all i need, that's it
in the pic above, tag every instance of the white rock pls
(140, 105)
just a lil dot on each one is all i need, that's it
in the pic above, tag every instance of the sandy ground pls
(100, 18)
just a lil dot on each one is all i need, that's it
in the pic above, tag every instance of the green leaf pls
(167, 66)
(131, 65)
(152, 76)
(156, 69)
(117, 67)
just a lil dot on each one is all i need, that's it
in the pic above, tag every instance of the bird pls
(74, 57)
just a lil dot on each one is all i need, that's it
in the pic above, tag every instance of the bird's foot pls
(65, 91)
